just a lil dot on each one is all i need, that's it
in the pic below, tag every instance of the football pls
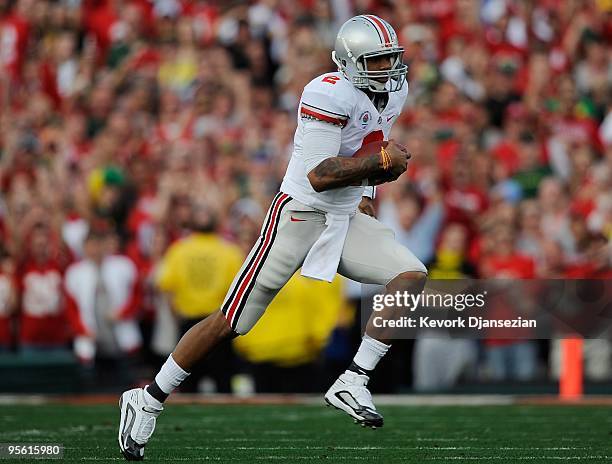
(373, 148)
(370, 148)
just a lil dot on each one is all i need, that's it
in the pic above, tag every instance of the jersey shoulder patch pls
(328, 98)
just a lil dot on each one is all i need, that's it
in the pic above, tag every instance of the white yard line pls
(266, 399)
(390, 400)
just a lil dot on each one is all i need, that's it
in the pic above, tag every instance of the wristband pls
(385, 158)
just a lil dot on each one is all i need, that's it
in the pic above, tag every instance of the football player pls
(321, 221)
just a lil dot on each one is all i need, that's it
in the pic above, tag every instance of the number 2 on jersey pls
(331, 79)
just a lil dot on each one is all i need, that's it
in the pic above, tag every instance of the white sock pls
(170, 376)
(370, 352)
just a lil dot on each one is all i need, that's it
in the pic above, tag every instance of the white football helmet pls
(364, 37)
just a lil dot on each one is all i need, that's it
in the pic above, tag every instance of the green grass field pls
(302, 433)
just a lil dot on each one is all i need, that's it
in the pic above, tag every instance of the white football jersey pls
(333, 99)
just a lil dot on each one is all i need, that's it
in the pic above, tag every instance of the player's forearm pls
(338, 172)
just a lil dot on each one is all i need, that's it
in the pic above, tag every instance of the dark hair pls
(4, 253)
(408, 191)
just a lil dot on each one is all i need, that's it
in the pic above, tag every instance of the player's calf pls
(349, 392)
(409, 282)
(199, 340)
(141, 407)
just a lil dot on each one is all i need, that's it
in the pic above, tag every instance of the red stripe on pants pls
(245, 283)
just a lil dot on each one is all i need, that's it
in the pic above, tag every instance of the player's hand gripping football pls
(398, 156)
(395, 164)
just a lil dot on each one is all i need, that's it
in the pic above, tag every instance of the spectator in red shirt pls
(8, 299)
(508, 359)
(595, 259)
(14, 35)
(43, 325)
(596, 265)
(516, 123)
(464, 201)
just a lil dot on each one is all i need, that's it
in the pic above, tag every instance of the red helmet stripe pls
(382, 28)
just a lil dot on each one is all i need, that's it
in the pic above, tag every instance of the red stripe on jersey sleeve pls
(323, 117)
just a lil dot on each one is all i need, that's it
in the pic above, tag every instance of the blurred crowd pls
(126, 126)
